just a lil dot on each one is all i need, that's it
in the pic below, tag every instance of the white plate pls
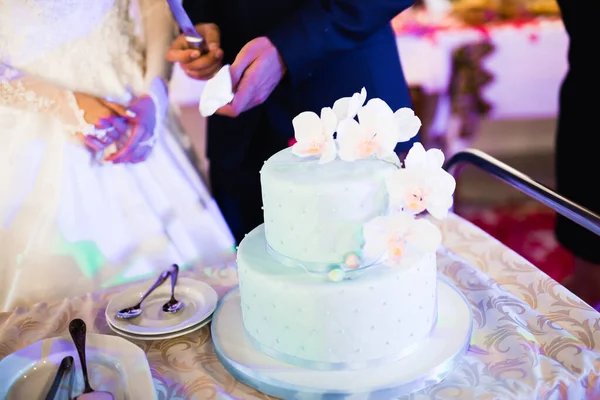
(163, 336)
(200, 301)
(435, 358)
(114, 364)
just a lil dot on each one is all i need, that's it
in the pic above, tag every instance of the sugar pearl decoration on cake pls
(336, 275)
(339, 274)
(352, 261)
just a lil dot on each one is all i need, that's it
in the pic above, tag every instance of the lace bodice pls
(91, 46)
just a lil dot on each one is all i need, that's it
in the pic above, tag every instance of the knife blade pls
(194, 39)
(65, 365)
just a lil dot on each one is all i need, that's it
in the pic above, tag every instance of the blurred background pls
(483, 74)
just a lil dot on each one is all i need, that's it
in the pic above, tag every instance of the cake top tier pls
(315, 212)
(309, 172)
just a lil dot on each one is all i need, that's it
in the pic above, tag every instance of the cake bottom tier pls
(310, 321)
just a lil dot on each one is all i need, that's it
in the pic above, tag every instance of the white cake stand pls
(430, 364)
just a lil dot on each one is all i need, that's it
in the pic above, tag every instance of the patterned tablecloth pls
(532, 338)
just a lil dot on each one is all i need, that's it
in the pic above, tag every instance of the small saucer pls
(164, 336)
(200, 301)
(114, 364)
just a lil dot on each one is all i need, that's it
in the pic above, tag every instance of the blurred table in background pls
(499, 71)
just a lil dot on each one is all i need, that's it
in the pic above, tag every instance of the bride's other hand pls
(137, 146)
(103, 115)
(115, 129)
(96, 110)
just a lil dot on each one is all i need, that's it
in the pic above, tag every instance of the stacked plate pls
(114, 365)
(199, 299)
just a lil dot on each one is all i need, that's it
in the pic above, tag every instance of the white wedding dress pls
(67, 225)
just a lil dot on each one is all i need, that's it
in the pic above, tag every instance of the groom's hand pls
(256, 71)
(194, 64)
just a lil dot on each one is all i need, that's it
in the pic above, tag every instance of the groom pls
(287, 56)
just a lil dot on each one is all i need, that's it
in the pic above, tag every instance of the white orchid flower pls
(314, 135)
(377, 131)
(347, 107)
(422, 184)
(398, 237)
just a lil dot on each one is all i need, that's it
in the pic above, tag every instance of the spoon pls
(173, 305)
(65, 365)
(78, 330)
(134, 311)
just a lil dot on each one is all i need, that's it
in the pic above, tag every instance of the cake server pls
(194, 39)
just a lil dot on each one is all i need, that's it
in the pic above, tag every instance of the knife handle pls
(65, 365)
(198, 44)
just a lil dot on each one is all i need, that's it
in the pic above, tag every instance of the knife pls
(65, 365)
(194, 39)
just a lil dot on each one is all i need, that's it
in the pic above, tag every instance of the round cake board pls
(435, 358)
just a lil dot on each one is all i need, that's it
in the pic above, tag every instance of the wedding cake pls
(342, 274)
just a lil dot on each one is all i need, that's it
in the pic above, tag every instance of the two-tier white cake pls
(314, 214)
(296, 304)
(342, 274)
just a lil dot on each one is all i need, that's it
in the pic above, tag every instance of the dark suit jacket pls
(576, 153)
(332, 48)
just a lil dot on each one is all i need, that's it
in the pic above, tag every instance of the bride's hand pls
(95, 110)
(137, 146)
(103, 115)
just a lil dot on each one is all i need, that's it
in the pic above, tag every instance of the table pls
(528, 63)
(519, 79)
(532, 338)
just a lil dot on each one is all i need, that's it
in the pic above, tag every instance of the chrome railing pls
(525, 184)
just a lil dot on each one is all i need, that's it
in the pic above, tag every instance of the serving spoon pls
(136, 310)
(78, 331)
(173, 305)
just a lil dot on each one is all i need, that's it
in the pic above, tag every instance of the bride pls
(94, 189)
